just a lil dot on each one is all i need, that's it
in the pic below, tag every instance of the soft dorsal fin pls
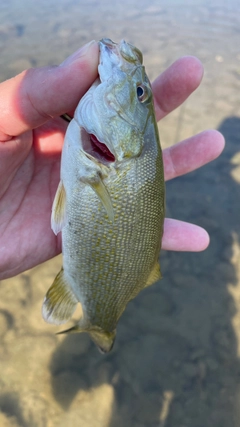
(59, 209)
(59, 303)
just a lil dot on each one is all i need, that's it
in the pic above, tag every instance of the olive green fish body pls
(115, 258)
(109, 206)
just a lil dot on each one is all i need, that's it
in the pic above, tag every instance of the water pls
(176, 358)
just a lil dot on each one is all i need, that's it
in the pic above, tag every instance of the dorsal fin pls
(59, 303)
(59, 209)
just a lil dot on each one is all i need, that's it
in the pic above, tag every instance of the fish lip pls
(108, 49)
(126, 52)
(107, 42)
(93, 147)
(108, 45)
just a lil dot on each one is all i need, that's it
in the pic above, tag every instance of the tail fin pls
(59, 303)
(103, 340)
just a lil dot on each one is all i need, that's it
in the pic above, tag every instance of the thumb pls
(36, 95)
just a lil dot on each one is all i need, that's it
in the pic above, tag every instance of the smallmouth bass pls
(110, 202)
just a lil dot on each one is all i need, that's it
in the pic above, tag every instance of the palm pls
(26, 205)
(30, 163)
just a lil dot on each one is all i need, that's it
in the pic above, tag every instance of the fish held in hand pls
(110, 202)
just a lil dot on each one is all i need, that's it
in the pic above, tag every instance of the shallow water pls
(176, 359)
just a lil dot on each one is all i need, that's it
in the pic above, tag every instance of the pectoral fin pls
(155, 275)
(59, 209)
(59, 303)
(104, 197)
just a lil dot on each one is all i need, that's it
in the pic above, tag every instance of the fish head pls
(116, 109)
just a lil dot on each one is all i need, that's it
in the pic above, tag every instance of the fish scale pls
(110, 213)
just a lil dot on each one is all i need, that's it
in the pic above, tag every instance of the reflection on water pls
(176, 358)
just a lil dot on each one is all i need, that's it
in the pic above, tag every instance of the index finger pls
(175, 84)
(36, 95)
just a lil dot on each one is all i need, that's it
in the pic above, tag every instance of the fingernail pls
(78, 54)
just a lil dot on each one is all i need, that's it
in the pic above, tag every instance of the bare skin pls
(31, 138)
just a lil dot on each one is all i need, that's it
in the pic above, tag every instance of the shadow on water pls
(175, 360)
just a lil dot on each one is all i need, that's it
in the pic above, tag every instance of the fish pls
(110, 202)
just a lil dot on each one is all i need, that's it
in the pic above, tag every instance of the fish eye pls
(142, 93)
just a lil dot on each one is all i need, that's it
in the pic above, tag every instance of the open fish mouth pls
(92, 146)
(95, 148)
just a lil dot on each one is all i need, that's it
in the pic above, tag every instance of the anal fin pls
(155, 275)
(59, 303)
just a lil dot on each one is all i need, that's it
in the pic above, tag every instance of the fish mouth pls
(95, 148)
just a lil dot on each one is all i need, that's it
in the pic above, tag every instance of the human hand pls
(171, 89)
(31, 138)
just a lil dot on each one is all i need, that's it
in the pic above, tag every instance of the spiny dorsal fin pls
(155, 275)
(60, 302)
(58, 209)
